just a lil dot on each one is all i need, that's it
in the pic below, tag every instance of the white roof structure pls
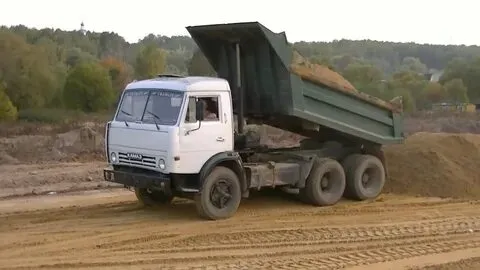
(191, 83)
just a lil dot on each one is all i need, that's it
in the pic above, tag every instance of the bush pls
(8, 112)
(88, 87)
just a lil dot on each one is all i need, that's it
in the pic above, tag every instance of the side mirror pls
(200, 106)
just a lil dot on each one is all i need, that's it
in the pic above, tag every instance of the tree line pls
(73, 70)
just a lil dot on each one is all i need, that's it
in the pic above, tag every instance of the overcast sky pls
(423, 21)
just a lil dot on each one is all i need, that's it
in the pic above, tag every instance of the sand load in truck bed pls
(319, 74)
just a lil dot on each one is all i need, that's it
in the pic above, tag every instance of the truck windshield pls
(150, 106)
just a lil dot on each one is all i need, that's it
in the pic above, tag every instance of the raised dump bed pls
(286, 93)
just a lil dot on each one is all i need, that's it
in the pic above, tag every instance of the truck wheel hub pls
(220, 194)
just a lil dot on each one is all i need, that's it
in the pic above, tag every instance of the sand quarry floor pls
(56, 212)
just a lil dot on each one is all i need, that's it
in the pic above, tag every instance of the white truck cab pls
(174, 136)
(155, 126)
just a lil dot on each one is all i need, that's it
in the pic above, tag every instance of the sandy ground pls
(109, 230)
(101, 226)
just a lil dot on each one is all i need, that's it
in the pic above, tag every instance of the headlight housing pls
(113, 157)
(161, 164)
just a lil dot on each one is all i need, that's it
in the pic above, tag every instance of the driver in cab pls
(209, 114)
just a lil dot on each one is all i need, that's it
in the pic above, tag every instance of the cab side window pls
(211, 110)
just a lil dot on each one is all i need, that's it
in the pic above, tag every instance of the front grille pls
(147, 161)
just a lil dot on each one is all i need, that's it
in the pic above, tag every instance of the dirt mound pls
(84, 143)
(435, 164)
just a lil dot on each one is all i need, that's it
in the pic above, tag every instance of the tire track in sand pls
(311, 258)
(324, 235)
(338, 259)
(180, 245)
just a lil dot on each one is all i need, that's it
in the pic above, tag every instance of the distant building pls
(82, 28)
(434, 75)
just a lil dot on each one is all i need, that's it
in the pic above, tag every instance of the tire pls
(206, 203)
(348, 163)
(152, 198)
(365, 177)
(313, 192)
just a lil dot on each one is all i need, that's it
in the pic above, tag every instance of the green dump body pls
(272, 92)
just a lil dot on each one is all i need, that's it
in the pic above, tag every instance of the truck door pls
(200, 141)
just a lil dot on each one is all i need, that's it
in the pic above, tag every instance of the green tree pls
(175, 62)
(361, 72)
(150, 62)
(27, 72)
(88, 88)
(118, 71)
(412, 82)
(76, 55)
(199, 65)
(413, 64)
(466, 70)
(434, 92)
(366, 78)
(456, 90)
(8, 112)
(407, 99)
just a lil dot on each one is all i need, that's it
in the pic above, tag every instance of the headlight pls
(161, 164)
(113, 157)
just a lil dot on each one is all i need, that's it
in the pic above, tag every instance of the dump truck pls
(188, 136)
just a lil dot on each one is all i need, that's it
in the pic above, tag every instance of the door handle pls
(220, 139)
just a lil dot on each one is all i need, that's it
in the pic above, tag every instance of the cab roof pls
(180, 83)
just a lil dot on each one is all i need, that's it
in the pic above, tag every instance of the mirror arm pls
(199, 125)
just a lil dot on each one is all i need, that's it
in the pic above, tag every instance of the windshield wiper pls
(129, 114)
(155, 116)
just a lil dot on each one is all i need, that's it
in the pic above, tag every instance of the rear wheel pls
(220, 195)
(149, 197)
(365, 177)
(325, 184)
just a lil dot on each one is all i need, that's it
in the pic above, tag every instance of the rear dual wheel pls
(359, 177)
(325, 184)
(365, 177)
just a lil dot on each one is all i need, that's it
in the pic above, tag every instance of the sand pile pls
(435, 164)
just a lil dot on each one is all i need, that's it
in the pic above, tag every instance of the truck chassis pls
(323, 176)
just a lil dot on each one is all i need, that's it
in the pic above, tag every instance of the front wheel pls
(148, 197)
(220, 195)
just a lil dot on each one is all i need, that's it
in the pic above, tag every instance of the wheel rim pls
(370, 179)
(221, 193)
(366, 180)
(326, 182)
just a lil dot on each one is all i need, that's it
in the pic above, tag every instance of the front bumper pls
(137, 180)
